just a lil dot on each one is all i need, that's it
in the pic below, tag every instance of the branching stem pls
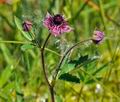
(64, 56)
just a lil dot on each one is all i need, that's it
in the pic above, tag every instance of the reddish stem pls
(44, 70)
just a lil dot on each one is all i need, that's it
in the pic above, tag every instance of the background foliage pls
(21, 77)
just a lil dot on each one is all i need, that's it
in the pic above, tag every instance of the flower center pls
(58, 19)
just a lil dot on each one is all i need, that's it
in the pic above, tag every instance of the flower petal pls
(65, 28)
(47, 21)
(55, 31)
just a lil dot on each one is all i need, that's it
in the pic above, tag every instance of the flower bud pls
(97, 37)
(27, 25)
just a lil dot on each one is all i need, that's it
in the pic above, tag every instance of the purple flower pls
(27, 25)
(97, 36)
(56, 24)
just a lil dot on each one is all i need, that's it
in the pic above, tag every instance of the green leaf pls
(80, 60)
(6, 74)
(26, 47)
(18, 23)
(66, 68)
(70, 78)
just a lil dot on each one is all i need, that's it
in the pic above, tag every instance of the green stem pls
(52, 51)
(15, 42)
(20, 42)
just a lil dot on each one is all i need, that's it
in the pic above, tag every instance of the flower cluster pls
(57, 25)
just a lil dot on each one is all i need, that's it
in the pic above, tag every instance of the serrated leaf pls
(5, 75)
(18, 23)
(70, 78)
(26, 47)
(80, 60)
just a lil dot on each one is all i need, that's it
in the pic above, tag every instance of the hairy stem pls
(44, 69)
(64, 56)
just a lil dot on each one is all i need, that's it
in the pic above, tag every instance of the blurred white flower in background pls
(98, 88)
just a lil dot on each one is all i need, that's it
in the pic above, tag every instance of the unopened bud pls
(97, 36)
(27, 25)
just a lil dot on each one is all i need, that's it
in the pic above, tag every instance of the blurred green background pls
(21, 77)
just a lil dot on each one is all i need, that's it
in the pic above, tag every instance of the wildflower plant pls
(56, 26)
